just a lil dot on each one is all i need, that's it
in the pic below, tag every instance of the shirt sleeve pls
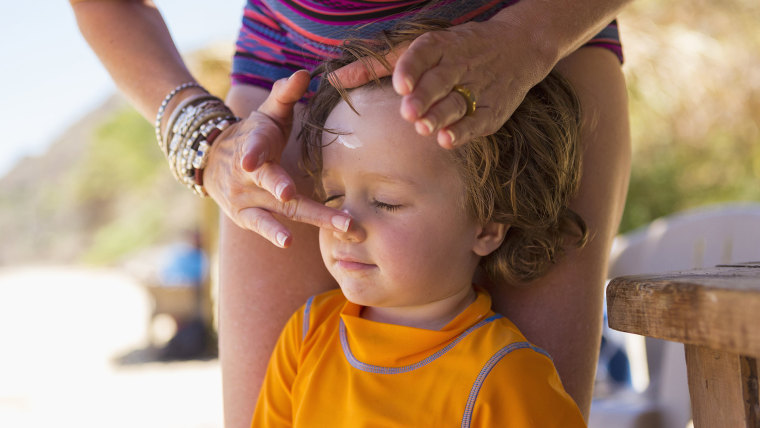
(523, 389)
(274, 407)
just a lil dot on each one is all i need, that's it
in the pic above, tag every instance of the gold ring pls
(467, 95)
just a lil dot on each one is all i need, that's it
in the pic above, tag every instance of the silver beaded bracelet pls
(166, 135)
(199, 155)
(193, 127)
(165, 102)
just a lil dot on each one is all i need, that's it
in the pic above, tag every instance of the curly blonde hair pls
(523, 175)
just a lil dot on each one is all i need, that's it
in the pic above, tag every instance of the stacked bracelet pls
(192, 128)
(165, 103)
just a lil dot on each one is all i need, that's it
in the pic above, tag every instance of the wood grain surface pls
(718, 308)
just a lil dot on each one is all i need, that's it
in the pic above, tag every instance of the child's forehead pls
(372, 118)
(371, 98)
(370, 111)
(378, 138)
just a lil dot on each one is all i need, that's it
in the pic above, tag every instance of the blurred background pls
(94, 226)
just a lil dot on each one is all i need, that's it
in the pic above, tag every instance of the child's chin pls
(357, 295)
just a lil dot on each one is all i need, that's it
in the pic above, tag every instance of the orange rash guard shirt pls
(331, 368)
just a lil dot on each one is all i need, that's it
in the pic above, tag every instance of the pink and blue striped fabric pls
(279, 37)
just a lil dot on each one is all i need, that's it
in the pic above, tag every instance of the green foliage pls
(694, 98)
(674, 177)
(103, 190)
(121, 187)
(123, 157)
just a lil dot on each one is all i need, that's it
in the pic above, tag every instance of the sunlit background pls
(88, 208)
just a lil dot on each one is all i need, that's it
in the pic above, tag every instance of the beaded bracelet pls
(189, 120)
(173, 118)
(193, 127)
(191, 161)
(165, 103)
(184, 141)
(201, 154)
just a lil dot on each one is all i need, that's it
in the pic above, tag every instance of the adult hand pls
(245, 178)
(494, 60)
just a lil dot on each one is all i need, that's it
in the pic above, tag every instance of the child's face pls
(411, 241)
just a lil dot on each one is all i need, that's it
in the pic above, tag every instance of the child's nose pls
(355, 232)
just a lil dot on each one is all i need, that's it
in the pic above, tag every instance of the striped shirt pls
(279, 37)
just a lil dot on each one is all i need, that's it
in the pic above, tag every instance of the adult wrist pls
(535, 29)
(555, 29)
(193, 125)
(172, 106)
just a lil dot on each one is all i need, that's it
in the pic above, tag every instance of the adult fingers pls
(424, 53)
(495, 108)
(362, 72)
(447, 111)
(431, 88)
(482, 122)
(274, 179)
(305, 210)
(285, 94)
(263, 223)
(269, 126)
(263, 143)
(300, 208)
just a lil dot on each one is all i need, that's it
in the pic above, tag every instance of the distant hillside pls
(102, 190)
(35, 221)
(88, 190)
(65, 150)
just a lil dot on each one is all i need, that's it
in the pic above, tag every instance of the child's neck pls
(430, 316)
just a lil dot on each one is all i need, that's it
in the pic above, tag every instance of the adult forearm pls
(558, 28)
(131, 40)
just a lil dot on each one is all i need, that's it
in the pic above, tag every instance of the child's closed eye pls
(385, 206)
(331, 200)
(334, 201)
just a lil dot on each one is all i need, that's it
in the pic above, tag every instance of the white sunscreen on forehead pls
(349, 141)
(363, 100)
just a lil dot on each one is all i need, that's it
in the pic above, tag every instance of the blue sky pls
(49, 77)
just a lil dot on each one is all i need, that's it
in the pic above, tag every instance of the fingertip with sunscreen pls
(282, 239)
(341, 222)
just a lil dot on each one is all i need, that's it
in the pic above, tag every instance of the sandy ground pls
(62, 330)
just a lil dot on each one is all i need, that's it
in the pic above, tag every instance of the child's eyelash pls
(384, 206)
(375, 203)
(331, 198)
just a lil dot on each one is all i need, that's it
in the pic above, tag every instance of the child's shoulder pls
(534, 395)
(509, 329)
(508, 348)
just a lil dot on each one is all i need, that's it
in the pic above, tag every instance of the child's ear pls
(489, 238)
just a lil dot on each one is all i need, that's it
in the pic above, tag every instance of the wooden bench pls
(716, 314)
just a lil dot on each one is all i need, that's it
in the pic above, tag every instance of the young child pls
(408, 340)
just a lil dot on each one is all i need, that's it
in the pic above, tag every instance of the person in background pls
(494, 53)
(186, 264)
(185, 269)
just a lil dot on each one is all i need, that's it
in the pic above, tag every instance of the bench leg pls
(723, 388)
